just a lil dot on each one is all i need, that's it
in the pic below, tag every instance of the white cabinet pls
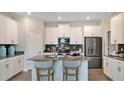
(108, 67)
(51, 35)
(6, 69)
(76, 35)
(10, 67)
(63, 30)
(118, 70)
(11, 31)
(105, 64)
(18, 64)
(117, 28)
(8, 30)
(2, 70)
(2, 30)
(21, 63)
(113, 68)
(92, 31)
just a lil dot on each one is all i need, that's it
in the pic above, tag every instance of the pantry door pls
(35, 45)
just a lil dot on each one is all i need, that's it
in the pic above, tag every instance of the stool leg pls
(53, 76)
(48, 74)
(63, 76)
(38, 76)
(66, 71)
(77, 74)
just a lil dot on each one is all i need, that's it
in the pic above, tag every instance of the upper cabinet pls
(2, 30)
(92, 31)
(117, 33)
(8, 30)
(51, 35)
(76, 35)
(63, 30)
(11, 31)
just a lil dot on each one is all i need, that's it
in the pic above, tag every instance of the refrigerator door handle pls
(92, 51)
(88, 51)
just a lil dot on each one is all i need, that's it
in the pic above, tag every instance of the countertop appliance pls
(11, 50)
(2, 51)
(93, 51)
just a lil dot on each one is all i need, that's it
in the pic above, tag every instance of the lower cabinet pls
(18, 64)
(3, 67)
(105, 65)
(114, 69)
(10, 67)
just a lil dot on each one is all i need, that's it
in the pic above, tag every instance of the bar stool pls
(71, 68)
(44, 69)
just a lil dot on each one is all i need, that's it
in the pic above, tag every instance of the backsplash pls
(112, 47)
(73, 47)
(49, 47)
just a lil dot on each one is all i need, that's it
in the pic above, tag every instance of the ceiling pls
(66, 16)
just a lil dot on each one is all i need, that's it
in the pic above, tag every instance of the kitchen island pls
(58, 67)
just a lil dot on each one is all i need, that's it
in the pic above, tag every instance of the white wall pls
(25, 25)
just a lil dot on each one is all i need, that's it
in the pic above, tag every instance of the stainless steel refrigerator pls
(93, 51)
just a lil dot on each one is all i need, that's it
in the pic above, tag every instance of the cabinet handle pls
(7, 65)
(119, 69)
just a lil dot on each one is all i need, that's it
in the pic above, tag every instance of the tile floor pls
(94, 75)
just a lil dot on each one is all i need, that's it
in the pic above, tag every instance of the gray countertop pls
(117, 58)
(17, 53)
(49, 58)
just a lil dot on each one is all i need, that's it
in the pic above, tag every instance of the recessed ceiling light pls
(87, 17)
(59, 18)
(28, 13)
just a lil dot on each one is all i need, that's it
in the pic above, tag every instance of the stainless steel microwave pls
(63, 40)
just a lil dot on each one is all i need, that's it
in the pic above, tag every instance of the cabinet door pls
(122, 71)
(9, 65)
(118, 71)
(105, 60)
(116, 28)
(21, 63)
(76, 35)
(11, 31)
(111, 68)
(51, 35)
(2, 30)
(2, 70)
(66, 31)
(92, 31)
(16, 61)
(63, 31)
